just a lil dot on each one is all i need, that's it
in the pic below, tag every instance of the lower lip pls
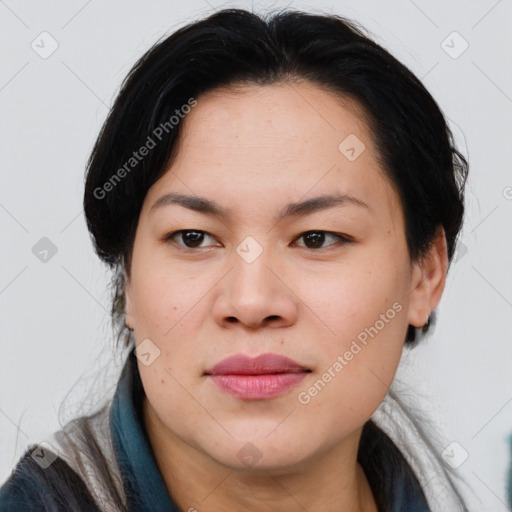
(257, 387)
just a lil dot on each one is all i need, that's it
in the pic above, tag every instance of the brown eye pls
(189, 238)
(316, 239)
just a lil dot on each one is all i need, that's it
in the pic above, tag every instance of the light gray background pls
(54, 314)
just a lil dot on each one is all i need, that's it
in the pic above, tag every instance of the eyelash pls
(343, 239)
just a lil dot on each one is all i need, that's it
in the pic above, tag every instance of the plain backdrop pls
(54, 313)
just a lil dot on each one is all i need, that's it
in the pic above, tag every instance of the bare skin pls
(253, 150)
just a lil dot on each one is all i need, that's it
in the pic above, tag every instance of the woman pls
(279, 200)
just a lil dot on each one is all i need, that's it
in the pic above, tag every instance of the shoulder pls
(44, 485)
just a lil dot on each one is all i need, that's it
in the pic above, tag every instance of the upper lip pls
(241, 364)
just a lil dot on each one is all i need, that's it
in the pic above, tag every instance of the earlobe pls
(429, 279)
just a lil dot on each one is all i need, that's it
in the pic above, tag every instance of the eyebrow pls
(297, 209)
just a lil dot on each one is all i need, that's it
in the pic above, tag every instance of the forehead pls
(286, 111)
(246, 142)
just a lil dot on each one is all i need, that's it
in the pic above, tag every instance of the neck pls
(329, 482)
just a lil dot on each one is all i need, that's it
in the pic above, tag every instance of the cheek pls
(347, 300)
(164, 297)
(169, 309)
(168, 395)
(362, 306)
(353, 381)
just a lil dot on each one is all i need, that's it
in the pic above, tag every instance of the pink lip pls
(259, 378)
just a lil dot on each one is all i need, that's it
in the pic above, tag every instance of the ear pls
(128, 307)
(428, 280)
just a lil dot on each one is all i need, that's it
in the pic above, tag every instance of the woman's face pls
(337, 300)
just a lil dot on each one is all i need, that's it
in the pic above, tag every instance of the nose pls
(256, 295)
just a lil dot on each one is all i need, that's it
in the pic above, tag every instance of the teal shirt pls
(31, 488)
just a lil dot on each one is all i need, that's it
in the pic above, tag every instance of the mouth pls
(261, 378)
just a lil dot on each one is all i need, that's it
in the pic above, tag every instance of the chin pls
(254, 461)
(277, 454)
